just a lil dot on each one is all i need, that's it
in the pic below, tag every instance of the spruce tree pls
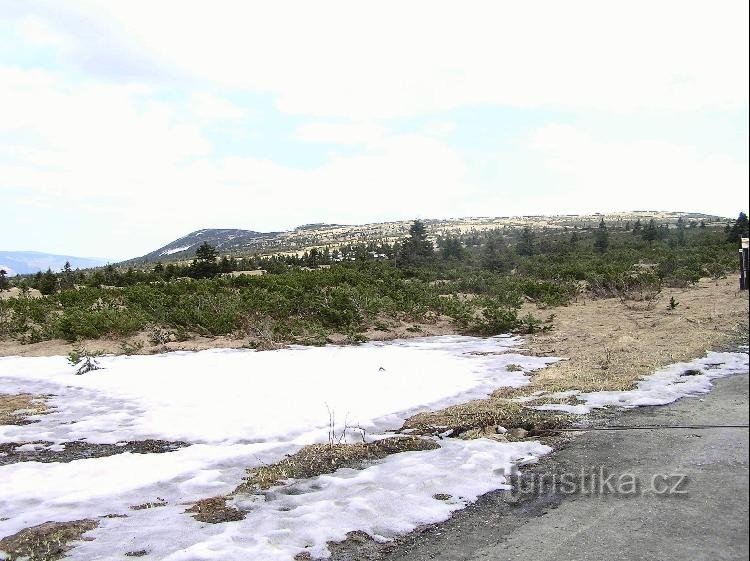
(47, 282)
(680, 231)
(527, 242)
(66, 278)
(204, 265)
(601, 241)
(739, 229)
(649, 232)
(416, 249)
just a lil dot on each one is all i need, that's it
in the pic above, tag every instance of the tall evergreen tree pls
(527, 242)
(680, 231)
(66, 277)
(3, 279)
(739, 229)
(601, 240)
(416, 249)
(204, 265)
(650, 233)
(47, 282)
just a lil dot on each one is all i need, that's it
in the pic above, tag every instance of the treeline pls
(478, 280)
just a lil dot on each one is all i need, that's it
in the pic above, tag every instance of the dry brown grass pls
(45, 542)
(215, 510)
(16, 408)
(310, 461)
(611, 344)
(484, 413)
(318, 459)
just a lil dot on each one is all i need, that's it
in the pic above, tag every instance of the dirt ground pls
(607, 344)
(610, 344)
(140, 343)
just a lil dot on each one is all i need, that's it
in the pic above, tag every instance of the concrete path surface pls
(709, 521)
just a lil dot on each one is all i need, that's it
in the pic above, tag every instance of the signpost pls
(744, 263)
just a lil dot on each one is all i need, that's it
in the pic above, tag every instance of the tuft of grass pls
(214, 510)
(154, 504)
(45, 542)
(318, 459)
(485, 413)
(15, 408)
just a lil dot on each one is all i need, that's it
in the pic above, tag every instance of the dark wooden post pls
(744, 268)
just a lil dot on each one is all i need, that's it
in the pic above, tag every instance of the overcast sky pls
(125, 124)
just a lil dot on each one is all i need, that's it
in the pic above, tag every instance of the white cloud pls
(209, 107)
(591, 174)
(110, 154)
(347, 133)
(124, 146)
(396, 59)
(38, 32)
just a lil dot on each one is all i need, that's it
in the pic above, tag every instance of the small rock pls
(518, 433)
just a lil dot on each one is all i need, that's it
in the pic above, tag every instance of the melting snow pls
(241, 408)
(243, 396)
(174, 250)
(664, 386)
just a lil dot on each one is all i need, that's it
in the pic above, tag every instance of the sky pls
(125, 124)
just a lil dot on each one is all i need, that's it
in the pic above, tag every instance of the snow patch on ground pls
(244, 396)
(389, 498)
(175, 250)
(665, 386)
(240, 409)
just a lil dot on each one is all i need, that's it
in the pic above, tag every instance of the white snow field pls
(665, 386)
(241, 408)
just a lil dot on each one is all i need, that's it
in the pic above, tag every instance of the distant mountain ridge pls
(237, 242)
(30, 262)
(225, 240)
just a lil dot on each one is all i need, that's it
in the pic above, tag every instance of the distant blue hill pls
(29, 262)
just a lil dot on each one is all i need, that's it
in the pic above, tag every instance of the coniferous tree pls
(680, 231)
(601, 241)
(416, 249)
(204, 265)
(496, 256)
(3, 279)
(739, 229)
(527, 242)
(225, 265)
(47, 282)
(66, 277)
(451, 249)
(650, 232)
